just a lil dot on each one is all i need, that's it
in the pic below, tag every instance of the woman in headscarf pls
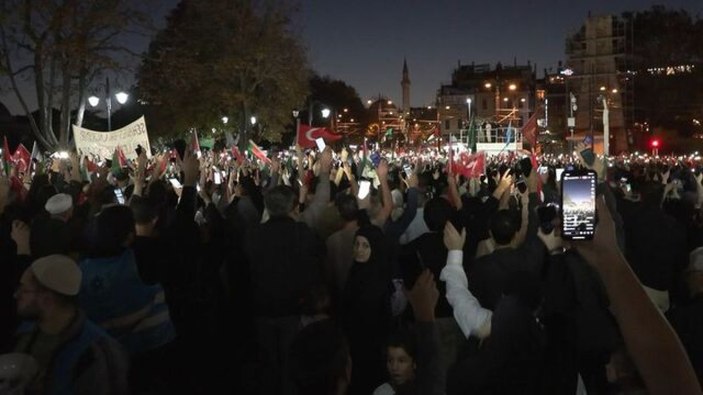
(366, 310)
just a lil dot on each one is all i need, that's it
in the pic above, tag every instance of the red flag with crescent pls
(308, 134)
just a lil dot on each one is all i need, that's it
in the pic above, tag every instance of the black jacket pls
(285, 262)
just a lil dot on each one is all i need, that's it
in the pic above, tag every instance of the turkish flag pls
(238, 155)
(470, 166)
(21, 157)
(308, 134)
(529, 130)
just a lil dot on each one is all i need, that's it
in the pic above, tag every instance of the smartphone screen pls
(578, 216)
(119, 195)
(218, 178)
(320, 144)
(175, 182)
(364, 189)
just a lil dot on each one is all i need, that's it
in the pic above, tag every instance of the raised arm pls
(454, 197)
(312, 214)
(650, 341)
(468, 313)
(385, 213)
(423, 299)
(352, 180)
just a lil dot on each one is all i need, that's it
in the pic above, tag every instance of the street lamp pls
(325, 113)
(225, 120)
(468, 104)
(121, 97)
(252, 120)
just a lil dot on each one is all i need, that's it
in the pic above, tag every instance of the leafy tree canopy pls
(217, 58)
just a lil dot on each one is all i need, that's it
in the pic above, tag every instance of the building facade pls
(598, 60)
(503, 95)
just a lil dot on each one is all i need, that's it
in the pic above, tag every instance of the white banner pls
(103, 144)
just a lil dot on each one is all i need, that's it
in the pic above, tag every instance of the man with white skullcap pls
(60, 206)
(74, 355)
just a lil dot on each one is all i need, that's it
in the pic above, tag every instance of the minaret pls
(405, 83)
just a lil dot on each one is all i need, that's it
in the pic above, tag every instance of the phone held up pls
(578, 204)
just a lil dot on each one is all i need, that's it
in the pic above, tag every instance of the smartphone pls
(407, 170)
(526, 166)
(521, 185)
(320, 144)
(546, 215)
(588, 156)
(139, 150)
(578, 204)
(218, 178)
(558, 172)
(375, 158)
(364, 189)
(175, 183)
(119, 195)
(625, 185)
(413, 267)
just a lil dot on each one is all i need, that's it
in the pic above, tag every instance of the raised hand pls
(423, 297)
(190, 166)
(20, 234)
(550, 240)
(326, 160)
(452, 239)
(411, 180)
(382, 170)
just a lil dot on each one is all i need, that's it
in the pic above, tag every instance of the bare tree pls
(59, 47)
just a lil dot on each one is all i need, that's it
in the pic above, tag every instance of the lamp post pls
(121, 97)
(297, 125)
(606, 126)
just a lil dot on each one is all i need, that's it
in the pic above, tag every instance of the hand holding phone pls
(119, 195)
(578, 205)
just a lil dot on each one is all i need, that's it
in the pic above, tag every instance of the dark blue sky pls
(363, 42)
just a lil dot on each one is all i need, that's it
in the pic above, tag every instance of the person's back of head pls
(144, 210)
(319, 360)
(436, 213)
(503, 227)
(348, 207)
(114, 225)
(280, 201)
(651, 193)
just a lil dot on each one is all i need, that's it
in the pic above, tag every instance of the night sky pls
(578, 191)
(363, 42)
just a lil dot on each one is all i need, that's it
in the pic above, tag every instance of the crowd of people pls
(345, 273)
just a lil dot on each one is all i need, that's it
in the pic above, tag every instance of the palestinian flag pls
(258, 152)
(119, 161)
(364, 160)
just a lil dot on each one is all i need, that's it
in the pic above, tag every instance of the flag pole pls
(297, 130)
